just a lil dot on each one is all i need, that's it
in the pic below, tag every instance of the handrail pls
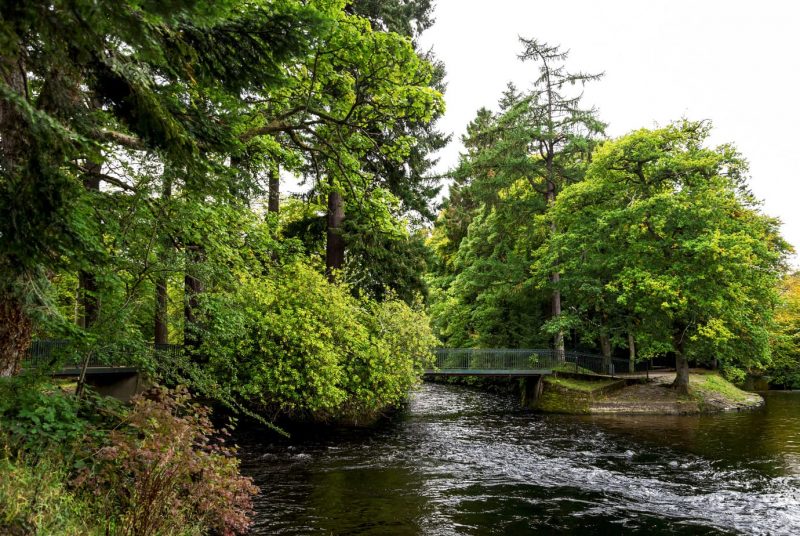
(523, 360)
(47, 353)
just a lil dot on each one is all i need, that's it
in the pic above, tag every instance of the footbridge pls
(110, 369)
(514, 362)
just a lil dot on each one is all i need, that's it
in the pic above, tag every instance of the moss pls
(570, 367)
(576, 384)
(557, 401)
(713, 384)
(565, 395)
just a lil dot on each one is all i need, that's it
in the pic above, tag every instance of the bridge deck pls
(488, 372)
(507, 362)
(91, 371)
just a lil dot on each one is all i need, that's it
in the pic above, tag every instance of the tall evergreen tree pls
(80, 80)
(562, 133)
(516, 162)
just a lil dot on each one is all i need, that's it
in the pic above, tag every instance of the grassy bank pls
(709, 393)
(567, 394)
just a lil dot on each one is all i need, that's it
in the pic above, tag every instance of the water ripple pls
(460, 461)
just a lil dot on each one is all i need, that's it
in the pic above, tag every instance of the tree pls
(663, 230)
(784, 369)
(347, 115)
(561, 136)
(516, 163)
(79, 81)
(403, 17)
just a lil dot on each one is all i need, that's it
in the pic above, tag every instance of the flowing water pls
(461, 461)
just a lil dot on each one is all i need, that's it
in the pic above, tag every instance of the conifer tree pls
(562, 134)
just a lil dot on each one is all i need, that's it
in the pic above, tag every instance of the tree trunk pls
(192, 287)
(274, 205)
(334, 249)
(605, 348)
(681, 383)
(88, 293)
(15, 334)
(87, 282)
(631, 353)
(555, 277)
(15, 324)
(160, 326)
(160, 331)
(13, 140)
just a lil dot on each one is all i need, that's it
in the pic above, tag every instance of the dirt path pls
(708, 394)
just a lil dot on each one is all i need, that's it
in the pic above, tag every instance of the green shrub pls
(734, 375)
(36, 414)
(34, 498)
(164, 472)
(400, 350)
(279, 340)
(94, 467)
(294, 344)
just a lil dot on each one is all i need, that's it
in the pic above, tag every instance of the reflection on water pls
(459, 461)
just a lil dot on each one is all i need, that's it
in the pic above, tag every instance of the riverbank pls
(709, 393)
(463, 460)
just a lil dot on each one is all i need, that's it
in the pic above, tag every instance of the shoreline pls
(709, 393)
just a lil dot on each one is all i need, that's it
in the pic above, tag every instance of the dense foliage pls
(649, 245)
(516, 163)
(161, 469)
(142, 150)
(663, 242)
(295, 345)
(784, 369)
(158, 131)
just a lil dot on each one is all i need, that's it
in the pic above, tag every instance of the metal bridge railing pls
(508, 360)
(479, 359)
(49, 354)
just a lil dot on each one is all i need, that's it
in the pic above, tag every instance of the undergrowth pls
(94, 466)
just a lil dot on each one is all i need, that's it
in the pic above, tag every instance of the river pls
(462, 461)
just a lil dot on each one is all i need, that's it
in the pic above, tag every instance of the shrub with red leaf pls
(167, 469)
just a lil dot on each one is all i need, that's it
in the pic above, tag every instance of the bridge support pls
(530, 389)
(120, 386)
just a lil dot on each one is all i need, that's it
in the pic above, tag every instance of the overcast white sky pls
(736, 63)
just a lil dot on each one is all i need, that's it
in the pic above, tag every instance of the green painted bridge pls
(521, 362)
(109, 369)
(66, 359)
(508, 362)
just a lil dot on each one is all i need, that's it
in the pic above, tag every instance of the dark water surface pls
(460, 461)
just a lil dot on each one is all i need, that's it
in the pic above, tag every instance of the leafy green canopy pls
(784, 369)
(76, 75)
(135, 139)
(663, 239)
(516, 162)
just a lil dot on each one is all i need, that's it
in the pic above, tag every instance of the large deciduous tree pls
(352, 115)
(663, 230)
